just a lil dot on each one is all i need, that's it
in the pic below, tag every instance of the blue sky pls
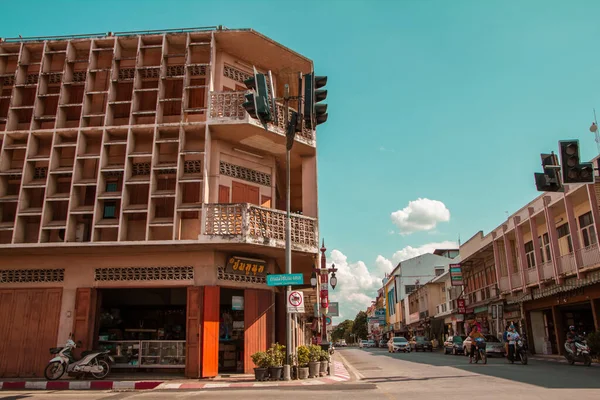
(451, 101)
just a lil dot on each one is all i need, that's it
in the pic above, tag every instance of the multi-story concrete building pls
(140, 205)
(540, 268)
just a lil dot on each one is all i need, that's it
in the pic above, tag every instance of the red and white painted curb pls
(341, 375)
(80, 385)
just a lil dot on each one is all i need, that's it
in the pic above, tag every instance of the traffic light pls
(573, 170)
(549, 180)
(294, 125)
(314, 113)
(257, 101)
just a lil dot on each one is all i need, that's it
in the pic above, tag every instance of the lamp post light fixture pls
(323, 293)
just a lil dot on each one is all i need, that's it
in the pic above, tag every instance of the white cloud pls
(420, 215)
(358, 284)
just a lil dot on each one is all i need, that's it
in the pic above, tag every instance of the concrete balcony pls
(226, 109)
(566, 264)
(547, 270)
(516, 280)
(590, 256)
(249, 224)
(504, 284)
(443, 309)
(531, 276)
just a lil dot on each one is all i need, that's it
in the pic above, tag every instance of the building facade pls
(141, 208)
(540, 269)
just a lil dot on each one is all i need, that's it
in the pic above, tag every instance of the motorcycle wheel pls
(587, 360)
(54, 370)
(483, 357)
(524, 358)
(105, 371)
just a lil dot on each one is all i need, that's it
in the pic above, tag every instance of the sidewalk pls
(243, 381)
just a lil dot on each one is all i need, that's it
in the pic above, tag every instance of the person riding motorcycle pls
(512, 337)
(572, 337)
(474, 335)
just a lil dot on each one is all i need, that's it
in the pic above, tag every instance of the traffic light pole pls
(288, 237)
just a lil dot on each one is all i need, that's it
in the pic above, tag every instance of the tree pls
(342, 331)
(359, 328)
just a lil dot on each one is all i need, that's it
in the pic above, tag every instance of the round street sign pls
(328, 320)
(295, 299)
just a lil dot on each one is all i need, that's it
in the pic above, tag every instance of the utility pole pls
(288, 233)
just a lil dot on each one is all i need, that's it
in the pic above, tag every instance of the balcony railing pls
(532, 276)
(590, 256)
(227, 106)
(503, 284)
(516, 280)
(248, 223)
(566, 264)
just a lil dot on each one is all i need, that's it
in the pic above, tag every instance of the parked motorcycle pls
(96, 363)
(331, 349)
(581, 353)
(520, 353)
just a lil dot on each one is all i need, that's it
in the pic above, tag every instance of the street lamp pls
(323, 293)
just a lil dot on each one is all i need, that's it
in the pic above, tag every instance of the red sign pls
(461, 306)
(324, 298)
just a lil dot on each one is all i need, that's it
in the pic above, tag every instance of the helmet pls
(572, 328)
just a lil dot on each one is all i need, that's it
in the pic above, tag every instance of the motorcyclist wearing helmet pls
(572, 338)
(474, 335)
(512, 337)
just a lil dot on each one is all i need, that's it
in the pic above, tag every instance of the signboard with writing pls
(285, 279)
(246, 266)
(380, 312)
(334, 309)
(456, 276)
(461, 306)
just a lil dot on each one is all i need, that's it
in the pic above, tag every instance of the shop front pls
(550, 311)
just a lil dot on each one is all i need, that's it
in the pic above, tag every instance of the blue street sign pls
(285, 279)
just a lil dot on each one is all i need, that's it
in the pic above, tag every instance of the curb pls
(559, 360)
(341, 375)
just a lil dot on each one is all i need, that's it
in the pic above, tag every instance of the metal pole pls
(288, 232)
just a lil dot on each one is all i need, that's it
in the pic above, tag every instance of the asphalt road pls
(398, 376)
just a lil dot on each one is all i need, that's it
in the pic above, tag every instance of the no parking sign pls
(295, 302)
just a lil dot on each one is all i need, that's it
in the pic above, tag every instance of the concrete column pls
(559, 331)
(509, 260)
(67, 313)
(553, 236)
(591, 191)
(596, 313)
(574, 233)
(521, 250)
(497, 260)
(309, 187)
(537, 250)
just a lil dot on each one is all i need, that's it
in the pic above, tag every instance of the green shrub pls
(303, 356)
(593, 340)
(276, 354)
(261, 359)
(324, 356)
(315, 352)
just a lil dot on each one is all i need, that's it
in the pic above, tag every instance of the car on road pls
(422, 343)
(363, 343)
(398, 344)
(454, 344)
(493, 346)
(370, 343)
(343, 343)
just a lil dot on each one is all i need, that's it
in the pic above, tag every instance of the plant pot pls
(313, 369)
(276, 373)
(303, 372)
(261, 374)
(324, 367)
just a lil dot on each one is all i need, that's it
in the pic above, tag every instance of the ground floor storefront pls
(193, 313)
(550, 311)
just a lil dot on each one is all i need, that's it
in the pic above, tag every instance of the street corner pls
(79, 385)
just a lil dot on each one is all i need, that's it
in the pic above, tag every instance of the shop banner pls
(237, 303)
(334, 309)
(246, 266)
(456, 276)
(461, 306)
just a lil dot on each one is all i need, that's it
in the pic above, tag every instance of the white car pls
(399, 344)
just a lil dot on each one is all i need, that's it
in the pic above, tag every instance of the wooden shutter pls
(210, 332)
(258, 323)
(193, 332)
(223, 194)
(252, 195)
(83, 330)
(265, 201)
(238, 192)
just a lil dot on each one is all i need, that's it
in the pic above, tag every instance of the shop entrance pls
(143, 328)
(231, 331)
(579, 315)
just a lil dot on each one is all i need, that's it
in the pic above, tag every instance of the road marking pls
(351, 368)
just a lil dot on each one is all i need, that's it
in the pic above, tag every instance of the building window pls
(390, 302)
(588, 233)
(110, 208)
(111, 186)
(563, 231)
(545, 245)
(410, 288)
(439, 271)
(530, 254)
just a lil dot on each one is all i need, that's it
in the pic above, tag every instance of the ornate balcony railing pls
(248, 223)
(227, 107)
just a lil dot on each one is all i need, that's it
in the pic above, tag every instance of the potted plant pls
(276, 357)
(303, 356)
(262, 362)
(324, 362)
(315, 361)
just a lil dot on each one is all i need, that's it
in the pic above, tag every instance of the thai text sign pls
(246, 266)
(456, 276)
(461, 306)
